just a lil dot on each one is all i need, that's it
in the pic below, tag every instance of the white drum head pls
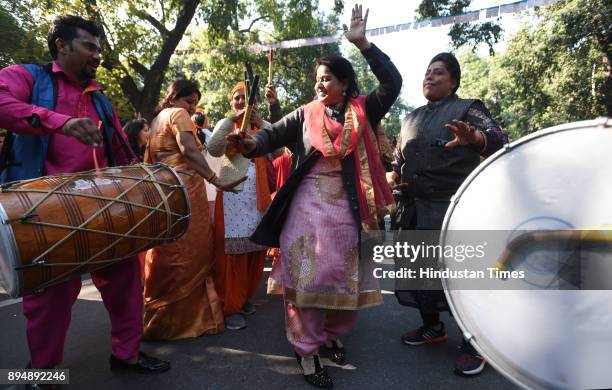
(554, 179)
(10, 280)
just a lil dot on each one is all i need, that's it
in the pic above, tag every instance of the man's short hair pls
(65, 27)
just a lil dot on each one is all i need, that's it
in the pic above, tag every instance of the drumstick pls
(247, 89)
(95, 157)
(270, 58)
(249, 107)
(574, 236)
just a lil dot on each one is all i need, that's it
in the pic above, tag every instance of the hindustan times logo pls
(411, 252)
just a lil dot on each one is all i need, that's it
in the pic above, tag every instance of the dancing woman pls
(337, 189)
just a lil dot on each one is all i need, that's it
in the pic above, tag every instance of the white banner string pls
(471, 16)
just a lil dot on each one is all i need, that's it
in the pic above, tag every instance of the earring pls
(344, 93)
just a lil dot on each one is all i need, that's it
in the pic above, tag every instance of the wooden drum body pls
(58, 227)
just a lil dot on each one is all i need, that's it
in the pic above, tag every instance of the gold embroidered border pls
(365, 175)
(347, 131)
(334, 301)
(345, 137)
(329, 146)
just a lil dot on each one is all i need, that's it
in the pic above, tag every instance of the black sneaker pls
(469, 362)
(425, 335)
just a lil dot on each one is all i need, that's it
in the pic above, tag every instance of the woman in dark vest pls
(439, 145)
(337, 189)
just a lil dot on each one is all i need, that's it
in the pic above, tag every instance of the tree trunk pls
(145, 100)
(607, 85)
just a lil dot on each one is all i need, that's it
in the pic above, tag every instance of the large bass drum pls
(559, 178)
(54, 228)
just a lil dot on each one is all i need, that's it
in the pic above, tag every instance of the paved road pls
(257, 357)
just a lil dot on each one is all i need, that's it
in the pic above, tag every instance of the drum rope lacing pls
(162, 236)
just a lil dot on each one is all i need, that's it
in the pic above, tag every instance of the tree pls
(147, 49)
(138, 39)
(217, 53)
(367, 82)
(24, 45)
(554, 72)
(461, 33)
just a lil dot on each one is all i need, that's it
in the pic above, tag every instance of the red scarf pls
(356, 136)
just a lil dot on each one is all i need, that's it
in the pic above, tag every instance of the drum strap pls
(110, 131)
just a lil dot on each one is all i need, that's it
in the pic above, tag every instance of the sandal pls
(319, 378)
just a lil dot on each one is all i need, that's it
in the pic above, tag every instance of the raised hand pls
(356, 34)
(270, 94)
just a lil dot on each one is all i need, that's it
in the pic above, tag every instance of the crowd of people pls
(307, 183)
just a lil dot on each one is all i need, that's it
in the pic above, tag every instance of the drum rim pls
(9, 238)
(526, 379)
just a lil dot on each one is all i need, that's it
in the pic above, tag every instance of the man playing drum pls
(53, 111)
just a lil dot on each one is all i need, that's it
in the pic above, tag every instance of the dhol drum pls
(554, 179)
(57, 227)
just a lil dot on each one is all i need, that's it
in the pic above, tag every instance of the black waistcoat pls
(433, 171)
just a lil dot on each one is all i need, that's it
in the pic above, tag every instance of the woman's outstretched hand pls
(356, 34)
(226, 187)
(465, 134)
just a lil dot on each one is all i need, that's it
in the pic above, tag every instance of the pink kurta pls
(320, 246)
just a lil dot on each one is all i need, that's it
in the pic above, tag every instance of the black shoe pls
(336, 353)
(145, 364)
(320, 378)
(425, 335)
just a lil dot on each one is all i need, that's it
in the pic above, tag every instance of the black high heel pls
(336, 353)
(320, 378)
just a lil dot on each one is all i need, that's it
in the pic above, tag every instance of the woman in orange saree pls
(179, 293)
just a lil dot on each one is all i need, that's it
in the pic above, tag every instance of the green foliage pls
(470, 34)
(26, 43)
(367, 82)
(138, 39)
(217, 53)
(553, 72)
